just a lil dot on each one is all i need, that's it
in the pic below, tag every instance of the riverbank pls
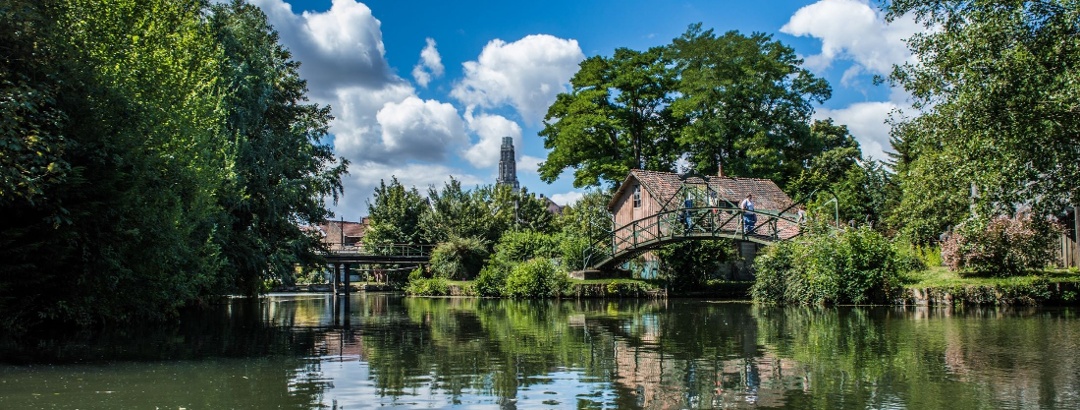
(932, 287)
(940, 287)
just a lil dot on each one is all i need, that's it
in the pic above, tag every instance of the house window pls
(637, 196)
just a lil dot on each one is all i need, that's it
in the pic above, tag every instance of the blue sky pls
(423, 90)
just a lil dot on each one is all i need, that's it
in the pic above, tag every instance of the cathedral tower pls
(507, 166)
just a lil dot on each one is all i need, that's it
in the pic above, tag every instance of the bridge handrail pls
(393, 249)
(705, 221)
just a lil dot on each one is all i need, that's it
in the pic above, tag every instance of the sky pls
(425, 90)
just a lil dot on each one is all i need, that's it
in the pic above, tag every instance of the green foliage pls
(458, 258)
(395, 215)
(280, 171)
(746, 103)
(689, 264)
(492, 279)
(482, 213)
(172, 152)
(536, 278)
(520, 246)
(740, 101)
(1001, 246)
(616, 118)
(437, 286)
(583, 226)
(857, 266)
(996, 86)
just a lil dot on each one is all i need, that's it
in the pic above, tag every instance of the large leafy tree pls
(617, 117)
(731, 100)
(155, 154)
(746, 102)
(997, 83)
(280, 171)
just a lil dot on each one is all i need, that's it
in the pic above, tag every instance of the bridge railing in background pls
(395, 249)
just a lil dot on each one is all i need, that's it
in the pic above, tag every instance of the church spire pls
(507, 165)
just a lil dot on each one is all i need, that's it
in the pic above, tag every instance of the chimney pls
(720, 170)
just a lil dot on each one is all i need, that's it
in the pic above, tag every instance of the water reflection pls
(311, 351)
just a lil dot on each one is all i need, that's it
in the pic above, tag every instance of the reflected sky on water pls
(372, 350)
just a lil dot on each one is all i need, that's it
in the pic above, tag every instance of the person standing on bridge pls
(749, 217)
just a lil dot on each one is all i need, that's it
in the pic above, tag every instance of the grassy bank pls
(940, 286)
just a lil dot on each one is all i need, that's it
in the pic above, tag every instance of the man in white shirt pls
(749, 217)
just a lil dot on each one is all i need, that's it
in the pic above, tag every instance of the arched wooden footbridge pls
(699, 223)
(651, 209)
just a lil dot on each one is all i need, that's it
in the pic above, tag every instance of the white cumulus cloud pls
(866, 122)
(529, 164)
(420, 129)
(527, 74)
(852, 29)
(490, 129)
(568, 198)
(430, 66)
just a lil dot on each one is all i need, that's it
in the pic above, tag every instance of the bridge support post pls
(347, 286)
(748, 251)
(334, 281)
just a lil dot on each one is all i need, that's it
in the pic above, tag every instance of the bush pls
(458, 258)
(520, 246)
(1002, 246)
(491, 280)
(848, 266)
(536, 278)
(428, 287)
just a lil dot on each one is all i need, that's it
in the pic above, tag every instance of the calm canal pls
(312, 351)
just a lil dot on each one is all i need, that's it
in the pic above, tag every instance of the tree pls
(616, 118)
(997, 85)
(732, 100)
(745, 102)
(456, 212)
(281, 172)
(395, 215)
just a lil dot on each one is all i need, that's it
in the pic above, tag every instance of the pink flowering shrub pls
(1002, 246)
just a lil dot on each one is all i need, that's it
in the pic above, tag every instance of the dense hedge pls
(857, 266)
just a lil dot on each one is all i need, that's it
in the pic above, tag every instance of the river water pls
(385, 350)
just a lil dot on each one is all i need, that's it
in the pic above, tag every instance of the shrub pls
(536, 278)
(428, 287)
(491, 280)
(458, 258)
(848, 266)
(520, 246)
(1002, 246)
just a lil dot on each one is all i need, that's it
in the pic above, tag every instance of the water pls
(382, 350)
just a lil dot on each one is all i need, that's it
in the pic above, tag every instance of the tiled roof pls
(333, 230)
(664, 186)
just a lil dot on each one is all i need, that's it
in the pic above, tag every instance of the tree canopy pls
(731, 100)
(155, 154)
(997, 86)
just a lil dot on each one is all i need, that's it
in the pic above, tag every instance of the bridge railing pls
(697, 222)
(393, 249)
